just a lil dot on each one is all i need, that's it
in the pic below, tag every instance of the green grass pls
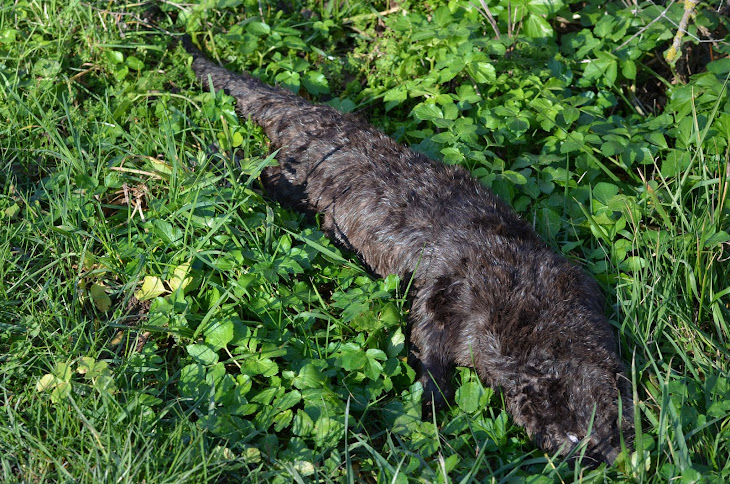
(161, 320)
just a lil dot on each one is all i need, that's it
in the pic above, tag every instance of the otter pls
(486, 291)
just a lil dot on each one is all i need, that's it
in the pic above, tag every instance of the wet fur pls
(487, 292)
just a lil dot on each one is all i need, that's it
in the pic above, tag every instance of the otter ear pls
(540, 405)
(523, 401)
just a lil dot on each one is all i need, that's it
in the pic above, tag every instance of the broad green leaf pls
(288, 400)
(602, 70)
(603, 192)
(113, 56)
(202, 353)
(8, 35)
(574, 142)
(290, 79)
(315, 83)
(374, 368)
(657, 139)
(633, 264)
(390, 315)
(99, 369)
(396, 344)
(442, 16)
(219, 333)
(536, 27)
(612, 148)
(544, 7)
(12, 211)
(395, 96)
(281, 421)
(267, 395)
(583, 42)
(121, 72)
(466, 93)
(452, 155)
(605, 26)
(237, 139)
(134, 63)
(294, 43)
(719, 409)
(46, 67)
(628, 69)
(353, 357)
(549, 222)
(450, 110)
(570, 115)
(518, 125)
(327, 431)
(366, 321)
(166, 231)
(675, 162)
(258, 28)
(482, 72)
(720, 67)
(427, 112)
(514, 177)
(471, 396)
(192, 383)
(303, 424)
(716, 239)
(260, 366)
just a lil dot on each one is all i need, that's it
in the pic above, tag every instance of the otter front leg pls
(433, 329)
(429, 356)
(282, 184)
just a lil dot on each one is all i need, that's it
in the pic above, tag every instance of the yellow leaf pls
(118, 338)
(89, 261)
(151, 288)
(180, 278)
(61, 391)
(46, 382)
(160, 166)
(101, 299)
(85, 364)
(62, 371)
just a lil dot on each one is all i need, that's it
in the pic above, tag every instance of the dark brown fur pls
(488, 293)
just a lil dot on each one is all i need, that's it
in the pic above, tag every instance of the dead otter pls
(487, 292)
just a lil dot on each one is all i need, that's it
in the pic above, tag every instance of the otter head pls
(565, 408)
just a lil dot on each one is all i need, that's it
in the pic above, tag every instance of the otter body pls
(487, 293)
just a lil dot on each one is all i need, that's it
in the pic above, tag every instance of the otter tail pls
(278, 111)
